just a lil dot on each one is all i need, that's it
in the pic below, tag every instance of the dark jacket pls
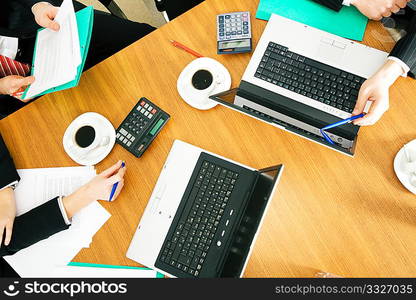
(405, 48)
(31, 227)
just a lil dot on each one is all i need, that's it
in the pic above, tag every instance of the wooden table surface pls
(349, 216)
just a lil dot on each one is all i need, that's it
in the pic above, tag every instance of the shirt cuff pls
(9, 185)
(405, 67)
(346, 2)
(63, 211)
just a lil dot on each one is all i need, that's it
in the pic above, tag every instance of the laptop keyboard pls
(187, 246)
(309, 78)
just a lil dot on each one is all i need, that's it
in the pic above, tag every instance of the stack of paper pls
(348, 23)
(35, 188)
(58, 54)
(59, 57)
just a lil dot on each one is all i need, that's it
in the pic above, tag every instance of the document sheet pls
(45, 258)
(57, 54)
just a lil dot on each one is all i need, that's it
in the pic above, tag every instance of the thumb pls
(111, 170)
(25, 81)
(53, 25)
(361, 102)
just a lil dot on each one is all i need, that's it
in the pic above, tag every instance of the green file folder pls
(348, 22)
(85, 20)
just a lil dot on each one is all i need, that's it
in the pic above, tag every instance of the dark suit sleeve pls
(34, 226)
(405, 48)
(30, 3)
(332, 4)
(30, 228)
(7, 169)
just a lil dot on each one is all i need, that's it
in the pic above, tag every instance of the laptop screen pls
(241, 101)
(250, 221)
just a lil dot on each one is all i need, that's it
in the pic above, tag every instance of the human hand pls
(376, 90)
(14, 85)
(45, 14)
(376, 9)
(7, 214)
(99, 188)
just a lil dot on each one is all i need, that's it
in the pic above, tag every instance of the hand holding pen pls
(117, 186)
(346, 121)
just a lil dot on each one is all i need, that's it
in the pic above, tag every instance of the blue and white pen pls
(339, 123)
(113, 190)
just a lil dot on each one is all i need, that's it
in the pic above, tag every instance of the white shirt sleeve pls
(346, 2)
(9, 185)
(63, 211)
(405, 67)
(9, 46)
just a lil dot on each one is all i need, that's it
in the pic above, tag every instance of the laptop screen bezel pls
(265, 201)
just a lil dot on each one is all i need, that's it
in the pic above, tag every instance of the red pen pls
(183, 47)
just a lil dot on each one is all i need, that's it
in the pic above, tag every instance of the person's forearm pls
(76, 201)
(389, 72)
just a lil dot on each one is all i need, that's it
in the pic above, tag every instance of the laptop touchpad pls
(329, 53)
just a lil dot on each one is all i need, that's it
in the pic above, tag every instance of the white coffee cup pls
(86, 137)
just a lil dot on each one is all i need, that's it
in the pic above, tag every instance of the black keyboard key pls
(321, 66)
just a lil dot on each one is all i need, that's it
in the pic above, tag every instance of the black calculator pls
(141, 126)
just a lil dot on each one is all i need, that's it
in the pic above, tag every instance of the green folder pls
(85, 20)
(348, 22)
(79, 264)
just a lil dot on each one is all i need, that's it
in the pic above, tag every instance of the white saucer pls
(96, 155)
(399, 165)
(197, 98)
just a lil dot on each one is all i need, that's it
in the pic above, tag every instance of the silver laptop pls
(301, 79)
(204, 215)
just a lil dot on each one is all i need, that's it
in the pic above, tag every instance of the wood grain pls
(348, 216)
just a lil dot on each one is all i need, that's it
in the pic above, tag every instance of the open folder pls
(84, 23)
(348, 22)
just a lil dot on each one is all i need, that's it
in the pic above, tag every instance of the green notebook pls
(85, 20)
(348, 22)
(78, 264)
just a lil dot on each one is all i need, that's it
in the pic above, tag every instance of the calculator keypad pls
(234, 26)
(133, 132)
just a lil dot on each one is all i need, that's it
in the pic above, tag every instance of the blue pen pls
(342, 122)
(113, 191)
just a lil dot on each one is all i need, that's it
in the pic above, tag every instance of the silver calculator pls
(234, 33)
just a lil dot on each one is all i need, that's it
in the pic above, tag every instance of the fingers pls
(402, 3)
(53, 25)
(395, 9)
(9, 230)
(111, 170)
(377, 110)
(361, 101)
(45, 14)
(118, 176)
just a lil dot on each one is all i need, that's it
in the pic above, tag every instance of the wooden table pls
(349, 216)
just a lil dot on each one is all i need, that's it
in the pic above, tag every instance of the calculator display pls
(157, 126)
(235, 44)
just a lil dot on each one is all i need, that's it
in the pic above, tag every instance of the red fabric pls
(9, 66)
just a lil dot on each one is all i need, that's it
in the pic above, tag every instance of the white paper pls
(58, 54)
(92, 272)
(35, 188)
